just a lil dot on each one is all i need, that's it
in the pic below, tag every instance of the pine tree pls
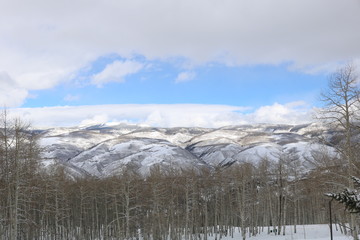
(349, 197)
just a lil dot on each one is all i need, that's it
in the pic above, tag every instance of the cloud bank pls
(166, 115)
(45, 43)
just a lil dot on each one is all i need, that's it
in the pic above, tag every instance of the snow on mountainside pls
(104, 150)
(110, 156)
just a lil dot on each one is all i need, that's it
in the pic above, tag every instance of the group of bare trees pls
(19, 155)
(169, 204)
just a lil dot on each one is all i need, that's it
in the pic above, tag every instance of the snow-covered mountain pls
(104, 150)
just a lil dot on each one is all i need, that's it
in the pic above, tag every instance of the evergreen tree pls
(349, 197)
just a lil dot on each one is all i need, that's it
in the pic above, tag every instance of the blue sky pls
(229, 61)
(252, 86)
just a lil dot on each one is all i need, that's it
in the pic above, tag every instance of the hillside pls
(104, 150)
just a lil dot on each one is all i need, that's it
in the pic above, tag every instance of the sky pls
(168, 63)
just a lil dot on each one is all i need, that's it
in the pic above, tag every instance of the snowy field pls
(309, 232)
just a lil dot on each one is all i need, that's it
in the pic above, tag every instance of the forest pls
(169, 204)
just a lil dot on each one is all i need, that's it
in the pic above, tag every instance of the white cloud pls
(116, 72)
(71, 98)
(44, 43)
(166, 115)
(102, 118)
(185, 77)
(291, 113)
(11, 95)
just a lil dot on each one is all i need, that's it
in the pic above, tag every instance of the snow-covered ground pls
(308, 232)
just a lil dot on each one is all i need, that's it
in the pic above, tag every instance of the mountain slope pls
(104, 150)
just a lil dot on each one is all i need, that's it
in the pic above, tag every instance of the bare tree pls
(18, 160)
(341, 109)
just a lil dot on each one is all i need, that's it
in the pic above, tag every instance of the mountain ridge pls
(104, 150)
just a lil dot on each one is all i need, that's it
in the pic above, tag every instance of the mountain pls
(105, 150)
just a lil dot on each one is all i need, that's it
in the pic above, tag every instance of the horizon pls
(164, 115)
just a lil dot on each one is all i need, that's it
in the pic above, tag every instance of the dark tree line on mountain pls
(267, 196)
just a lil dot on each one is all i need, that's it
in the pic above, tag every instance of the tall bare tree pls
(18, 160)
(341, 109)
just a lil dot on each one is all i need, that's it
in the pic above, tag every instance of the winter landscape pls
(104, 150)
(179, 120)
(128, 181)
